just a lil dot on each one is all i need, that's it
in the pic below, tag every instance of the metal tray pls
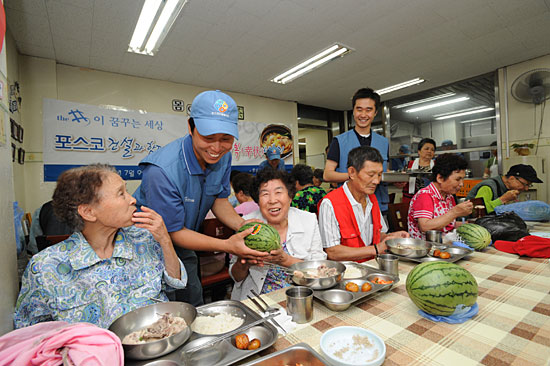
(457, 253)
(298, 353)
(347, 298)
(224, 352)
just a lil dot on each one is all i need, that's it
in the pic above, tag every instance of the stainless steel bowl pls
(147, 315)
(337, 300)
(318, 283)
(408, 247)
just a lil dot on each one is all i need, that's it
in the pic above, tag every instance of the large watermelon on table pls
(439, 287)
(475, 236)
(264, 238)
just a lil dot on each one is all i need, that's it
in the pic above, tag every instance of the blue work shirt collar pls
(82, 255)
(193, 166)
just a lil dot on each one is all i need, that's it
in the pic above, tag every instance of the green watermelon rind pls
(439, 287)
(475, 236)
(266, 240)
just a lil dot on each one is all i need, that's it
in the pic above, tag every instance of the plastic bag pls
(507, 226)
(527, 210)
(19, 234)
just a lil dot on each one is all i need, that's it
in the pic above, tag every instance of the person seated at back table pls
(273, 189)
(318, 177)
(307, 195)
(242, 185)
(116, 260)
(350, 220)
(273, 159)
(424, 163)
(504, 189)
(434, 207)
(400, 163)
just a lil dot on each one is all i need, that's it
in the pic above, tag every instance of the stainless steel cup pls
(299, 304)
(389, 263)
(433, 236)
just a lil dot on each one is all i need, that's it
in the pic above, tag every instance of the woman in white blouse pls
(300, 239)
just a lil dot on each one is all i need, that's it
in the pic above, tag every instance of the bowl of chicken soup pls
(317, 274)
(154, 330)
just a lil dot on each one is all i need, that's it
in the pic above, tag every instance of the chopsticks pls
(255, 302)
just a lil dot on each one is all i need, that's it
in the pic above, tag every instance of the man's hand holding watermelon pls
(236, 245)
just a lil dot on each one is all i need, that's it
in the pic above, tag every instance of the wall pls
(41, 78)
(522, 125)
(8, 259)
(316, 141)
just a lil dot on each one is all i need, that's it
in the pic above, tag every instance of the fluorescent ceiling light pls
(460, 111)
(395, 87)
(466, 113)
(438, 104)
(311, 63)
(478, 119)
(430, 99)
(154, 23)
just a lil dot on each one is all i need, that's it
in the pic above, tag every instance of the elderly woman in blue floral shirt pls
(116, 261)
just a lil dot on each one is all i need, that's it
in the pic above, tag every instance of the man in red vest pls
(349, 217)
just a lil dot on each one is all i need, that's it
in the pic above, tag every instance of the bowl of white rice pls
(353, 346)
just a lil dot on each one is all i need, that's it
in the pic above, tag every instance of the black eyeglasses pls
(527, 185)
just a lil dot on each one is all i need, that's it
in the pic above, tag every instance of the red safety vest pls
(350, 235)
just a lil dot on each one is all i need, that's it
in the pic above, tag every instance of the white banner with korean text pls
(78, 134)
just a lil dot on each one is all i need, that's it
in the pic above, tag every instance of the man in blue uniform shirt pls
(365, 105)
(273, 155)
(188, 177)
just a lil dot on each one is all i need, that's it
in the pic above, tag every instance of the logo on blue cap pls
(221, 105)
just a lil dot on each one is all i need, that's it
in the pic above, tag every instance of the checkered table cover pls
(511, 328)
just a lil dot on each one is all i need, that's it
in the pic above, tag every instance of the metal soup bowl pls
(318, 283)
(408, 247)
(147, 315)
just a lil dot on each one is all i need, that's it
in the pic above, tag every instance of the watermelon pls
(439, 287)
(264, 238)
(475, 236)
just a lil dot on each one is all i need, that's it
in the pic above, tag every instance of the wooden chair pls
(479, 202)
(397, 216)
(43, 241)
(215, 284)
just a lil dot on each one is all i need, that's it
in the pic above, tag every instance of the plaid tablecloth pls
(511, 328)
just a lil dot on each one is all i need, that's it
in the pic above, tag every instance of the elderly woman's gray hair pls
(75, 187)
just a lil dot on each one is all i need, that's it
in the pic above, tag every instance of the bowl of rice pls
(214, 324)
(154, 330)
(353, 346)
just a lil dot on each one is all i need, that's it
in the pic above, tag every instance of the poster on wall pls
(77, 134)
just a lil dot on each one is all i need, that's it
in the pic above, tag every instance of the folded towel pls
(54, 343)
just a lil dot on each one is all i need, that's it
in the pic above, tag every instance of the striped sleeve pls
(423, 207)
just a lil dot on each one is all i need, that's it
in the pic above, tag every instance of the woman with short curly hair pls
(434, 207)
(273, 190)
(117, 259)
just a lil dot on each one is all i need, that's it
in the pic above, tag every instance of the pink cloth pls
(52, 343)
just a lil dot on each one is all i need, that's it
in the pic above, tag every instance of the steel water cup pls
(434, 236)
(389, 263)
(299, 304)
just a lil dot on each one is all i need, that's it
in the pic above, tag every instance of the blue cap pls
(447, 143)
(273, 153)
(405, 149)
(215, 112)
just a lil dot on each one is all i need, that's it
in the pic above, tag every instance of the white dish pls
(353, 346)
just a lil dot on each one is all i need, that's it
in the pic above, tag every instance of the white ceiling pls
(238, 45)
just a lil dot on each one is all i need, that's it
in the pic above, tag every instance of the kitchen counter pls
(511, 328)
